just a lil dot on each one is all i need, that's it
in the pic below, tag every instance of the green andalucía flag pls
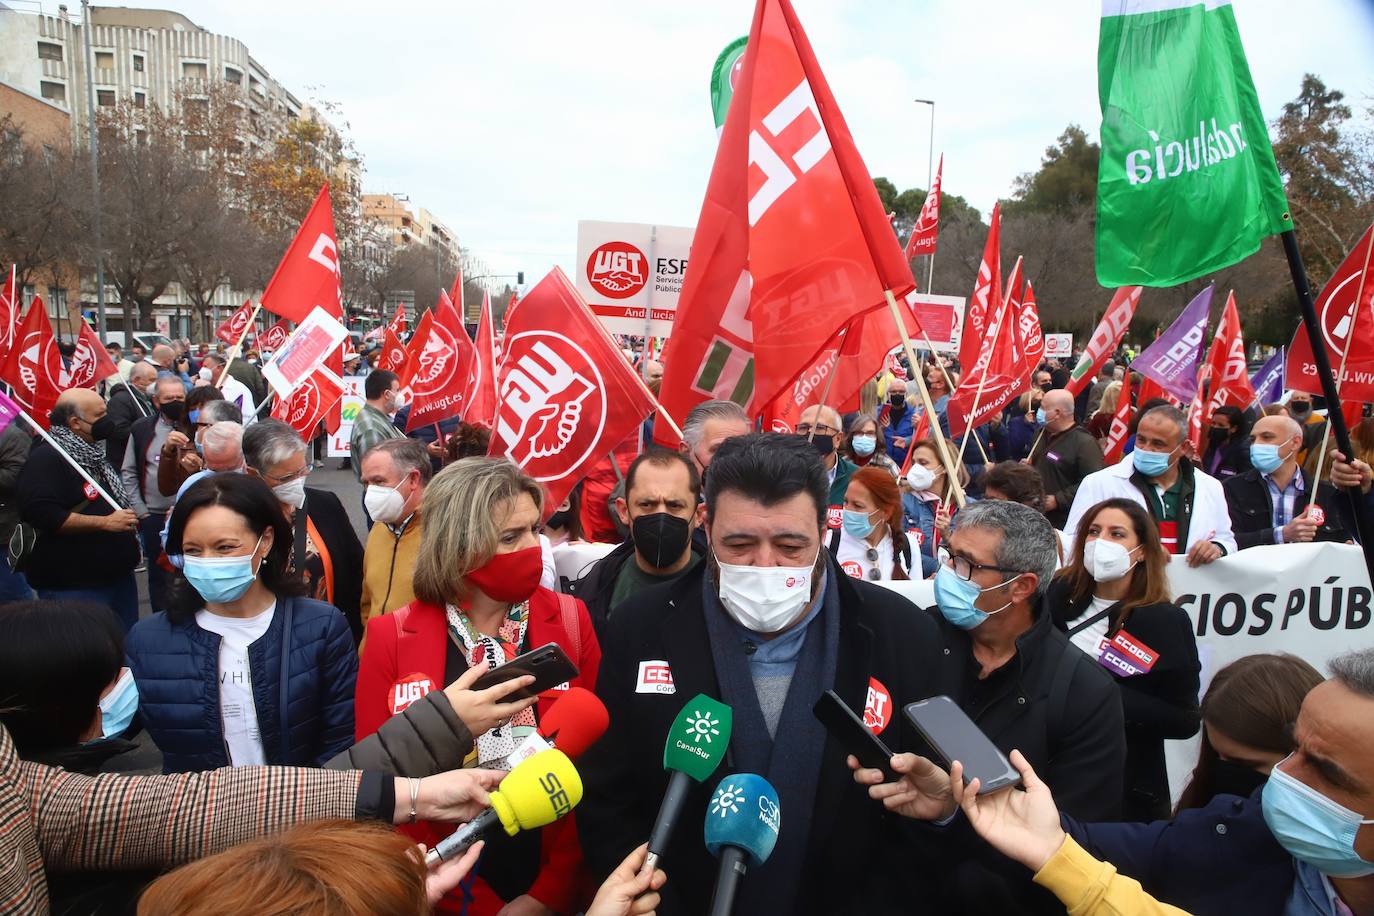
(723, 79)
(1187, 183)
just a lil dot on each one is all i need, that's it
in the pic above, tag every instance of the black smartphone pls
(855, 737)
(953, 736)
(549, 665)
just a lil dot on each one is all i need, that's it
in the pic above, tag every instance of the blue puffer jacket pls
(176, 667)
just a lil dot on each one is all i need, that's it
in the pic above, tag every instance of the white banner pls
(626, 269)
(304, 351)
(352, 405)
(941, 317)
(1058, 346)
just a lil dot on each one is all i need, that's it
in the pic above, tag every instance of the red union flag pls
(9, 309)
(274, 337)
(792, 242)
(1105, 338)
(397, 324)
(984, 305)
(309, 403)
(1226, 367)
(568, 396)
(395, 357)
(1032, 338)
(1000, 368)
(455, 293)
(1120, 430)
(308, 275)
(927, 227)
(441, 355)
(235, 327)
(33, 366)
(481, 398)
(90, 363)
(1345, 312)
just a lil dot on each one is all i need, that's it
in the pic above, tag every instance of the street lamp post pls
(930, 177)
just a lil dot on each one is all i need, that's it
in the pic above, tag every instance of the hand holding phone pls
(952, 735)
(856, 738)
(548, 663)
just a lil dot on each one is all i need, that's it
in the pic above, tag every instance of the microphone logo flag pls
(699, 737)
(727, 800)
(743, 815)
(704, 726)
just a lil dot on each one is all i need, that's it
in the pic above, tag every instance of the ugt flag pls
(1172, 360)
(1345, 313)
(33, 367)
(1187, 183)
(927, 228)
(568, 396)
(792, 242)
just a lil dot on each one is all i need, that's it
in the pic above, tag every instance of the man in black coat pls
(128, 404)
(1268, 503)
(767, 645)
(1064, 455)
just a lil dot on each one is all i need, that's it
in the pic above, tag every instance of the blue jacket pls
(176, 667)
(897, 425)
(1220, 859)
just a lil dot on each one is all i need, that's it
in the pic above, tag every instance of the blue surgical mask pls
(1265, 457)
(865, 445)
(954, 597)
(221, 579)
(1151, 464)
(858, 524)
(1040, 416)
(1312, 827)
(117, 707)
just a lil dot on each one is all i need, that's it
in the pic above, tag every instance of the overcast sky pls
(513, 120)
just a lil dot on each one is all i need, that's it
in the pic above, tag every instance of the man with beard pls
(661, 507)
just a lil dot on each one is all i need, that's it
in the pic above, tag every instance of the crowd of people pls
(308, 690)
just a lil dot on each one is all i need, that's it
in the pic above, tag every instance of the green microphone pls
(695, 747)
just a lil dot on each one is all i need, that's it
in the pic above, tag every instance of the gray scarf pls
(92, 459)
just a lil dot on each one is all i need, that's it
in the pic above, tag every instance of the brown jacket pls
(60, 821)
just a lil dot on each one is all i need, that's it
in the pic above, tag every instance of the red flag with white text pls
(1000, 369)
(1229, 374)
(1113, 326)
(308, 275)
(1345, 311)
(397, 324)
(33, 366)
(1120, 430)
(90, 363)
(1032, 337)
(9, 309)
(792, 241)
(441, 355)
(927, 228)
(309, 403)
(482, 401)
(985, 304)
(568, 396)
(235, 328)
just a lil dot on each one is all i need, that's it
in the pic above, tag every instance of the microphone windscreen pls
(699, 737)
(743, 813)
(537, 792)
(575, 721)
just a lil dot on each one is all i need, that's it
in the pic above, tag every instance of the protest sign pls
(352, 405)
(304, 351)
(625, 268)
(1058, 346)
(941, 317)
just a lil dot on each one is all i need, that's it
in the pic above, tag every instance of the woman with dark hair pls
(871, 543)
(1248, 713)
(241, 670)
(469, 441)
(1014, 482)
(865, 446)
(1113, 600)
(1228, 445)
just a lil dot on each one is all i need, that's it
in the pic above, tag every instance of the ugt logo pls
(438, 361)
(617, 270)
(553, 405)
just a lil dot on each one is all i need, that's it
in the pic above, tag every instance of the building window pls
(57, 298)
(49, 51)
(53, 92)
(138, 63)
(104, 60)
(193, 71)
(140, 100)
(234, 76)
(105, 98)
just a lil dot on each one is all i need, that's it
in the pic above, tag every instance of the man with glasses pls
(821, 426)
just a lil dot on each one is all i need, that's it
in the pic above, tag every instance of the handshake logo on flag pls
(551, 403)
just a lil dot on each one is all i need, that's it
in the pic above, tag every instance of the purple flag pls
(1172, 359)
(1268, 381)
(9, 411)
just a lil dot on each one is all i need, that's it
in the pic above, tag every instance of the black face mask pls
(660, 538)
(1047, 386)
(102, 429)
(559, 519)
(172, 410)
(1230, 778)
(1218, 436)
(823, 445)
(1300, 409)
(897, 400)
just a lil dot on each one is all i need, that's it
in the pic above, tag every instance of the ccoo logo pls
(553, 405)
(617, 270)
(437, 363)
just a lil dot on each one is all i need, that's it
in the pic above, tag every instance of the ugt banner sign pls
(626, 269)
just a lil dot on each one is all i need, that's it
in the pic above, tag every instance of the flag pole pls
(950, 469)
(238, 346)
(825, 393)
(949, 383)
(1335, 420)
(982, 379)
(68, 458)
(137, 402)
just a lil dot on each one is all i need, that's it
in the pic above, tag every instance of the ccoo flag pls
(1172, 360)
(1268, 381)
(792, 242)
(1186, 183)
(1113, 326)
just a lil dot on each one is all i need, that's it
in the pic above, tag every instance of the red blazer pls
(409, 645)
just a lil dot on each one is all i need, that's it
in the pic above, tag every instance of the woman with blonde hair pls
(1100, 423)
(479, 604)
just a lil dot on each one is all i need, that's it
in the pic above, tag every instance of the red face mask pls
(510, 577)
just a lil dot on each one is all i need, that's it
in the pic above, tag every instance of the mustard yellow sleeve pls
(1088, 887)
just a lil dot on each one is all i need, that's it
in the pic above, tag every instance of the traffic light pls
(519, 278)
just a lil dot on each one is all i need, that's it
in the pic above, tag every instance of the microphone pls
(741, 830)
(537, 792)
(696, 743)
(575, 721)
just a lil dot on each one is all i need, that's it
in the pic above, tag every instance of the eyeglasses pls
(964, 568)
(804, 429)
(303, 472)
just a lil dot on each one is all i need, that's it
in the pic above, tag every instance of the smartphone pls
(855, 737)
(549, 665)
(953, 736)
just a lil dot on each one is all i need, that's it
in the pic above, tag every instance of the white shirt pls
(236, 392)
(238, 715)
(1090, 638)
(853, 557)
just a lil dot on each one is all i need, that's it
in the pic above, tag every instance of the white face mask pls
(1106, 561)
(291, 493)
(764, 599)
(384, 504)
(920, 477)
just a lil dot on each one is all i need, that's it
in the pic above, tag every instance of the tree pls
(37, 232)
(1066, 181)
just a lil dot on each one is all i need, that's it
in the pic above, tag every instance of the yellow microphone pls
(538, 791)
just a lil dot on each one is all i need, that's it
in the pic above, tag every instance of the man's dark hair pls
(378, 383)
(768, 468)
(56, 658)
(663, 457)
(62, 414)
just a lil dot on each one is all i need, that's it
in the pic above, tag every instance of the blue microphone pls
(741, 830)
